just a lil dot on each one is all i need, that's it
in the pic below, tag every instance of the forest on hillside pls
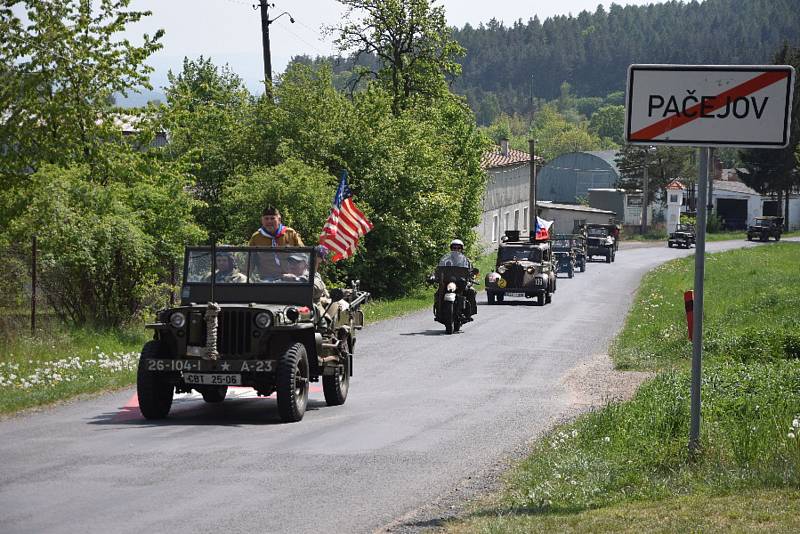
(510, 67)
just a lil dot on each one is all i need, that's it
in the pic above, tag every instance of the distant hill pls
(507, 66)
(592, 51)
(135, 100)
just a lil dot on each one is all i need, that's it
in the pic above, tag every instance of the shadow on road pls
(195, 412)
(426, 333)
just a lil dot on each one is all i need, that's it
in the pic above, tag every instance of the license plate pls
(449, 297)
(515, 294)
(207, 379)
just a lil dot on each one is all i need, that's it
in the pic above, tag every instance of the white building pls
(734, 202)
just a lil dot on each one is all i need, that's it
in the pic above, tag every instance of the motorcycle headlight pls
(177, 320)
(501, 269)
(263, 320)
(451, 286)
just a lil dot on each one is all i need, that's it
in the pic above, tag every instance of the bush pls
(105, 249)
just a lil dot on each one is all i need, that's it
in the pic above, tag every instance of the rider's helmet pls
(457, 244)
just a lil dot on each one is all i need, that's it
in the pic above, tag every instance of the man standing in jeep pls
(273, 233)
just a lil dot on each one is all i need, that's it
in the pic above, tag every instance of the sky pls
(229, 31)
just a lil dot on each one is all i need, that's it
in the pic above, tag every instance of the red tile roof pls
(495, 158)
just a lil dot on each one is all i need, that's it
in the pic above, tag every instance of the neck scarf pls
(279, 232)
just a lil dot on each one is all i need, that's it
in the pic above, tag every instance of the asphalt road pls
(425, 412)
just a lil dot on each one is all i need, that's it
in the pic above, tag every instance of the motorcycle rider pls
(456, 258)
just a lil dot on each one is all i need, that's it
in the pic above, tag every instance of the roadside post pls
(742, 106)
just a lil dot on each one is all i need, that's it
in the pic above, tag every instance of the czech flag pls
(542, 228)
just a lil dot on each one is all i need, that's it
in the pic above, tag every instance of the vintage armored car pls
(524, 268)
(258, 322)
(765, 227)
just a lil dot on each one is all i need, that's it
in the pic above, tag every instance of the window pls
(494, 228)
(524, 218)
(516, 219)
(673, 197)
(506, 220)
(578, 222)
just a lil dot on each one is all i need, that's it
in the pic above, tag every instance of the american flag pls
(345, 225)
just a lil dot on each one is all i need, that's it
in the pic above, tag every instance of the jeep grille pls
(235, 332)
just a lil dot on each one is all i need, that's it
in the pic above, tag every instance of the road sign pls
(695, 105)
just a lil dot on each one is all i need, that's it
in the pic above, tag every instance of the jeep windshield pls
(248, 266)
(597, 232)
(561, 244)
(519, 254)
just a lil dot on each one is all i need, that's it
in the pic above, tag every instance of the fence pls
(24, 302)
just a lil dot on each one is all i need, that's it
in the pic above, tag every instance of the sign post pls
(707, 106)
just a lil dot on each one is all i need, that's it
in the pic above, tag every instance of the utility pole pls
(532, 192)
(265, 22)
(645, 188)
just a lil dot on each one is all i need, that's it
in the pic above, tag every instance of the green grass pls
(627, 468)
(750, 305)
(756, 511)
(59, 363)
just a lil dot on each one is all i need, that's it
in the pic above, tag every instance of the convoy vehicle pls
(600, 242)
(765, 227)
(261, 328)
(564, 255)
(682, 237)
(577, 242)
(452, 305)
(524, 268)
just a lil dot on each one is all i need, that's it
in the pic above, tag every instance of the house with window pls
(506, 202)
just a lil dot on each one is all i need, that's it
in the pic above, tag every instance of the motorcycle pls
(452, 305)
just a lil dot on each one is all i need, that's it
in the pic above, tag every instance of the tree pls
(411, 41)
(664, 164)
(775, 171)
(105, 250)
(609, 122)
(58, 75)
(555, 135)
(210, 119)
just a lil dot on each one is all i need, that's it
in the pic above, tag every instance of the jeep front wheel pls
(336, 386)
(152, 388)
(292, 383)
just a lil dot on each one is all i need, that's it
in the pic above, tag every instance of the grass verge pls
(60, 363)
(626, 467)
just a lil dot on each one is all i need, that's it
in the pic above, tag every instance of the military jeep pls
(682, 237)
(260, 328)
(765, 227)
(524, 268)
(564, 255)
(600, 242)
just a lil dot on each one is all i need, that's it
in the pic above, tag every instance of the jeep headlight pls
(451, 287)
(263, 320)
(531, 269)
(501, 269)
(177, 320)
(609, 240)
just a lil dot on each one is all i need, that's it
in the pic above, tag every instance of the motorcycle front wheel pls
(448, 316)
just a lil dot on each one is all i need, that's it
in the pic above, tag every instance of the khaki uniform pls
(232, 277)
(322, 299)
(289, 238)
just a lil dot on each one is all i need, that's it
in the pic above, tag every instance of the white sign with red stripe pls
(742, 106)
